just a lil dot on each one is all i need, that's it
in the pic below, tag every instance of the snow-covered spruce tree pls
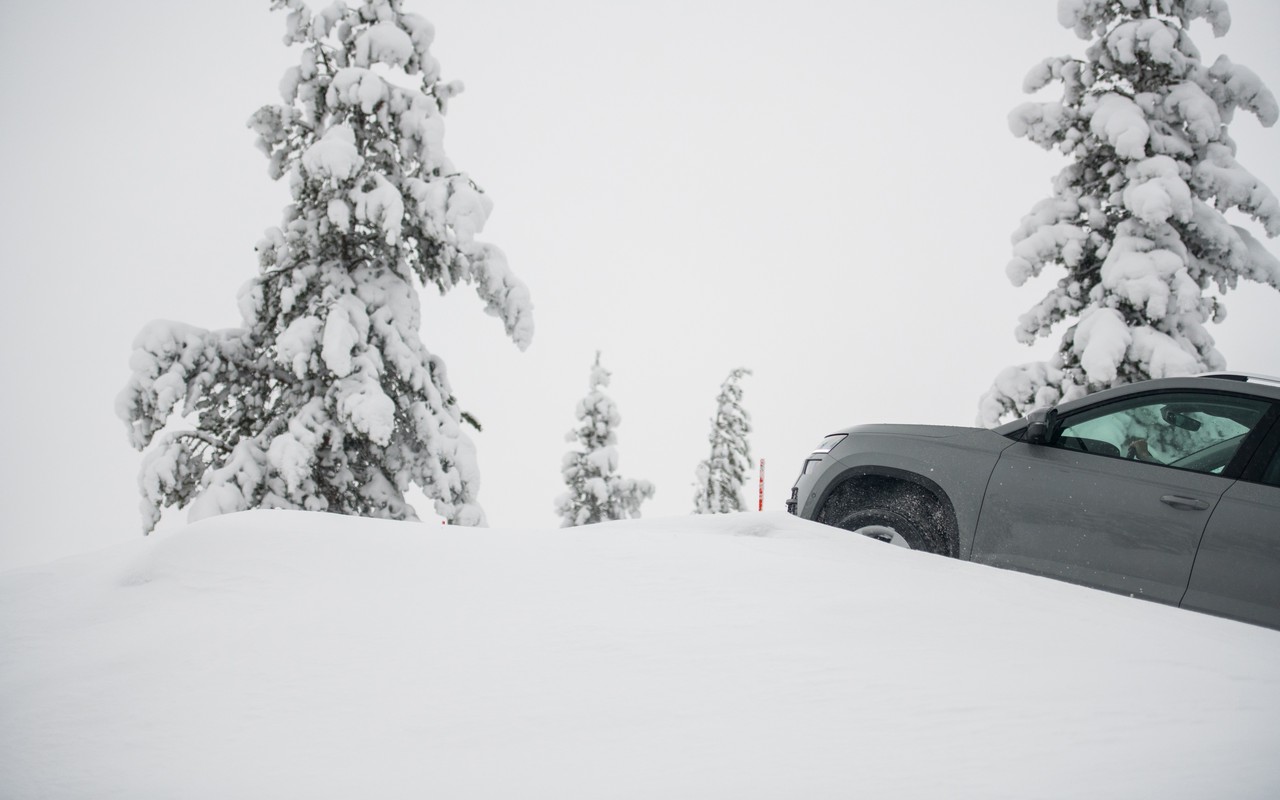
(596, 492)
(1136, 219)
(326, 398)
(722, 475)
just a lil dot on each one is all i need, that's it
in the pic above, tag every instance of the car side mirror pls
(1040, 425)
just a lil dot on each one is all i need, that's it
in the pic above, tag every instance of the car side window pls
(1188, 430)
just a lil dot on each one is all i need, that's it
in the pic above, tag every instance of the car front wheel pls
(886, 526)
(892, 510)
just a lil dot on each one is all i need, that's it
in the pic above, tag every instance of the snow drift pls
(286, 654)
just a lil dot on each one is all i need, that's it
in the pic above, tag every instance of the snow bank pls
(284, 654)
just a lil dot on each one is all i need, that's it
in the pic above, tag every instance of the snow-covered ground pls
(282, 654)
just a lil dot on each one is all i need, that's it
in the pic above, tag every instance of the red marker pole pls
(761, 508)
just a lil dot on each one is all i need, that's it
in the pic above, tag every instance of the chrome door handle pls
(1185, 503)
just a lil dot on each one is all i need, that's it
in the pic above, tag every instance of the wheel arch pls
(852, 488)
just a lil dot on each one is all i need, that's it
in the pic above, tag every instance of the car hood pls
(925, 431)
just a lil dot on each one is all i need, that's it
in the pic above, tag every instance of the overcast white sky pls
(820, 191)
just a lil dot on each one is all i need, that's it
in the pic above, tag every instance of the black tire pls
(907, 509)
(867, 521)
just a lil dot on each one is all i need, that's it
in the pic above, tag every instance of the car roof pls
(1234, 382)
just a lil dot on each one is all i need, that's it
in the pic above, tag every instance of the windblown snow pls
(287, 654)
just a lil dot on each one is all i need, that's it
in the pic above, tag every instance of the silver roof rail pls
(1247, 377)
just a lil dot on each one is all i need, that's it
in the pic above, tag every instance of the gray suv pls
(1167, 490)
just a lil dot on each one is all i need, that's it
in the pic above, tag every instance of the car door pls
(1119, 494)
(1237, 571)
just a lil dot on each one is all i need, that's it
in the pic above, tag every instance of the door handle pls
(1185, 503)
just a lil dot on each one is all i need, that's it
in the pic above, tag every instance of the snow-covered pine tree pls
(326, 398)
(596, 492)
(1136, 219)
(722, 475)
